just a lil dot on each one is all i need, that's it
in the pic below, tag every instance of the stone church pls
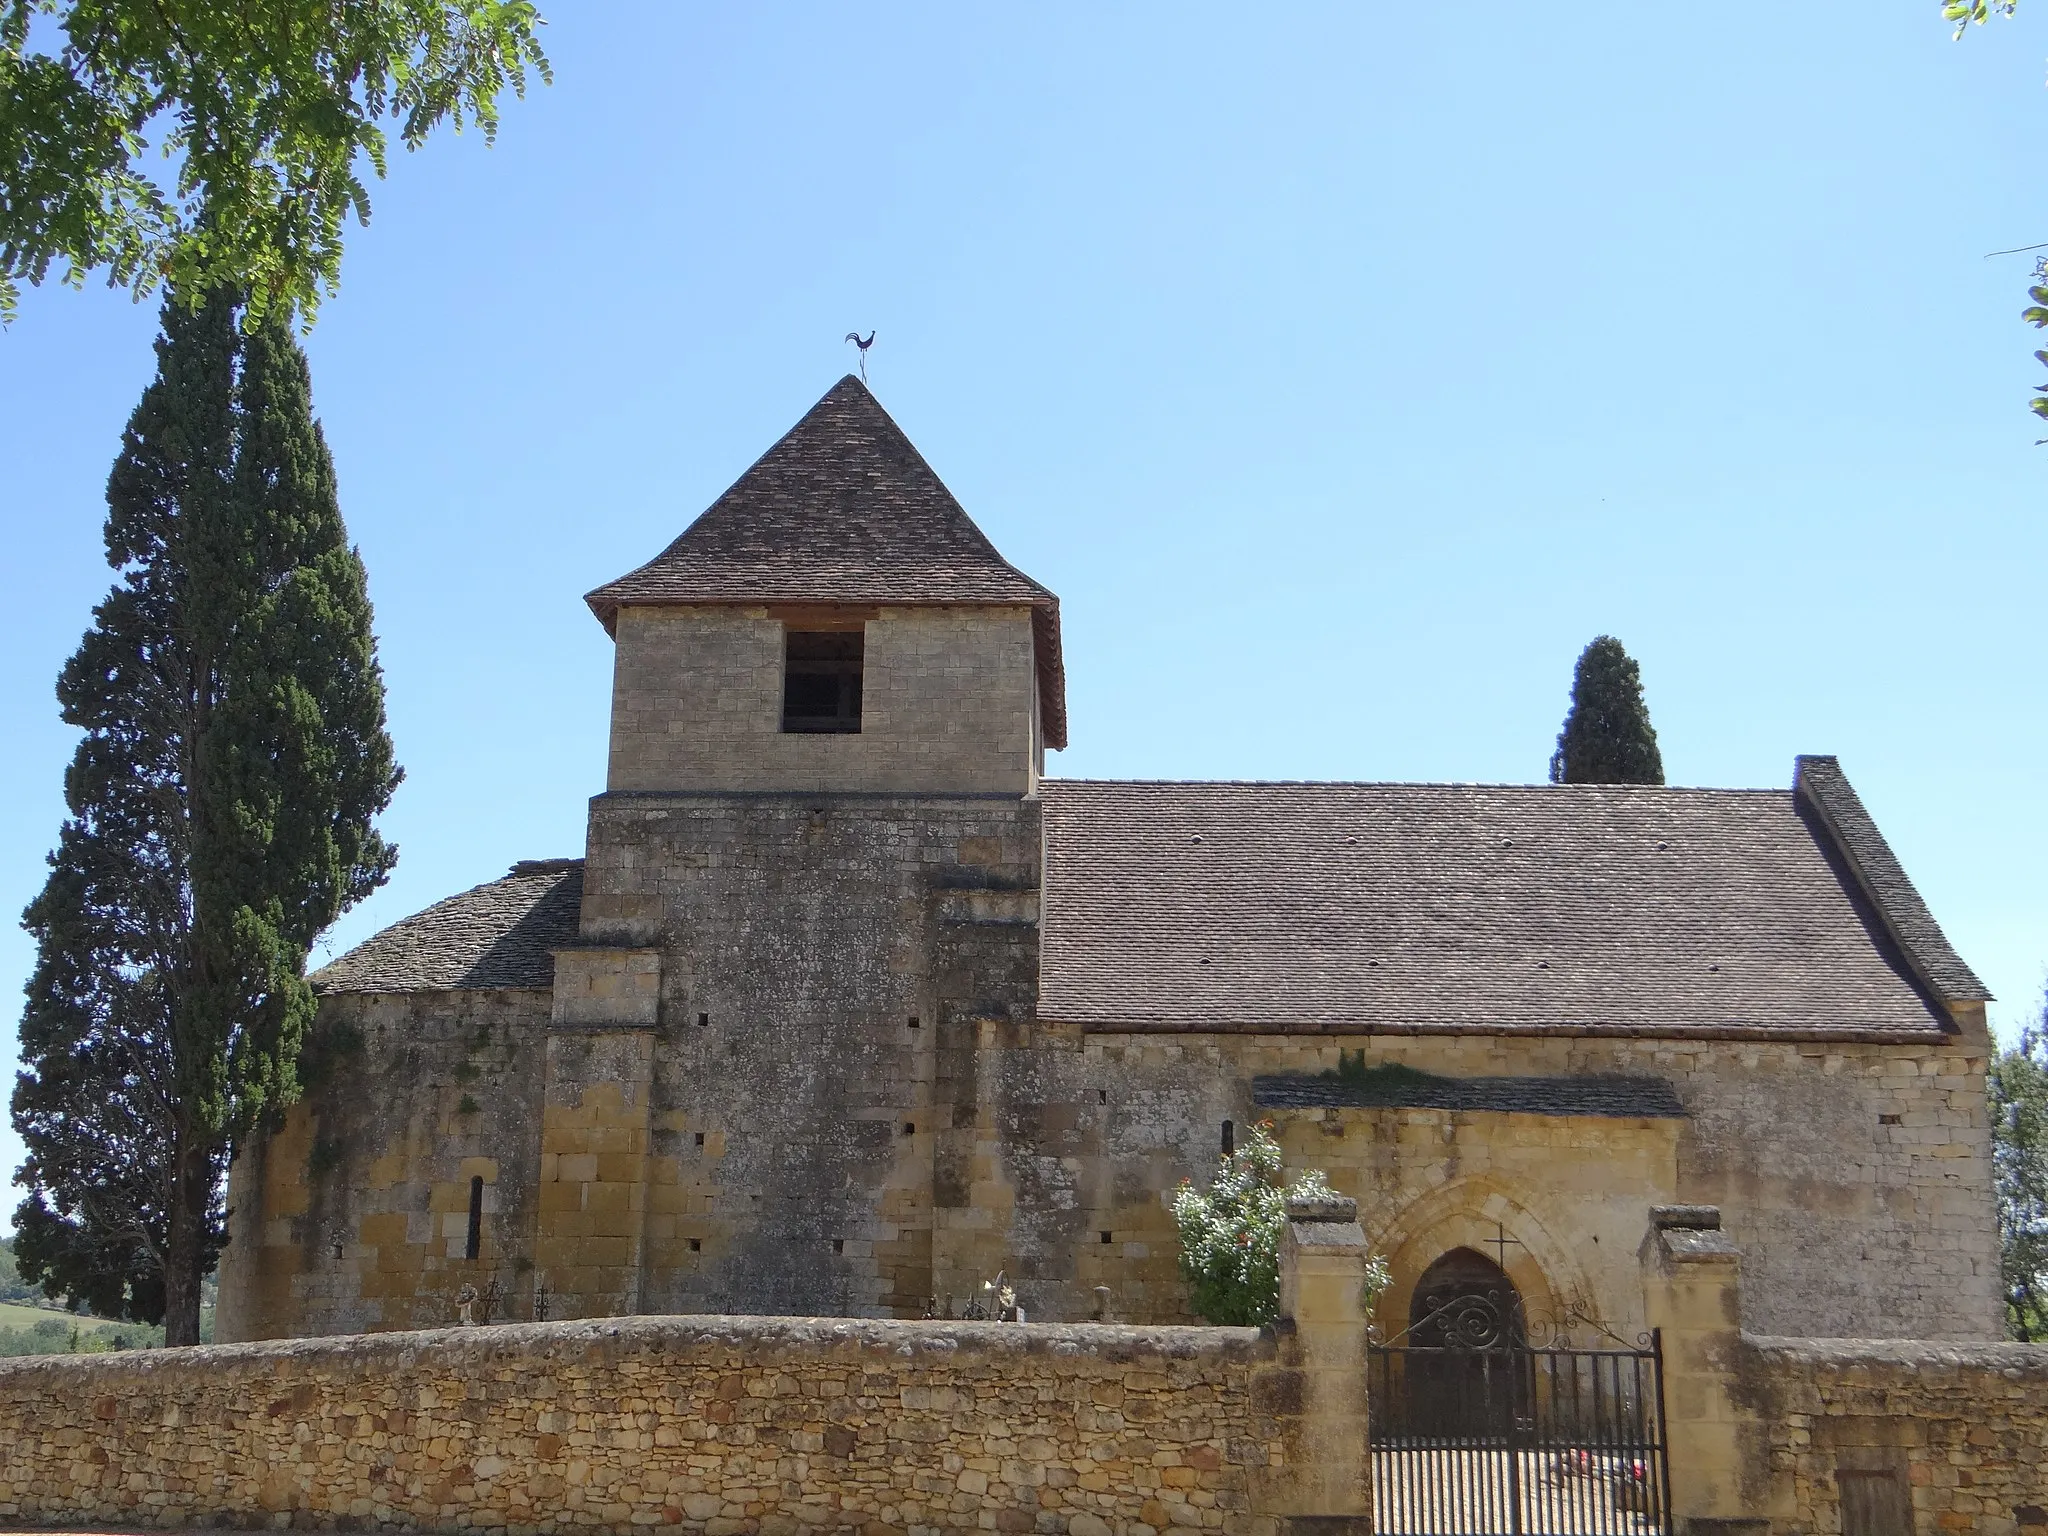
(848, 1008)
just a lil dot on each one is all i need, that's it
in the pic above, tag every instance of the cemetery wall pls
(1886, 1435)
(719, 1425)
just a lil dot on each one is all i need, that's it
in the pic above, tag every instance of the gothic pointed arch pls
(1477, 1214)
(1465, 1298)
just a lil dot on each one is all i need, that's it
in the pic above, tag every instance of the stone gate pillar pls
(1317, 1388)
(1717, 1446)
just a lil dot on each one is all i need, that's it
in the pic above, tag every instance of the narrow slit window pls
(475, 1244)
(1229, 1137)
(821, 676)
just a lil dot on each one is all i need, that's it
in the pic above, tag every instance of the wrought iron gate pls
(1499, 1425)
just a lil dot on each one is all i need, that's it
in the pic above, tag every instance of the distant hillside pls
(35, 1331)
(31, 1324)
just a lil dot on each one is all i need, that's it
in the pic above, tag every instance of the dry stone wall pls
(1881, 1435)
(725, 1426)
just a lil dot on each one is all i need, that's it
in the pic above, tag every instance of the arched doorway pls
(1465, 1300)
(1466, 1377)
(1475, 1430)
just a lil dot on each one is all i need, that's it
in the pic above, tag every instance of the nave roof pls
(1425, 908)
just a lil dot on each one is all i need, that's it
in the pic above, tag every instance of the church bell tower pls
(811, 880)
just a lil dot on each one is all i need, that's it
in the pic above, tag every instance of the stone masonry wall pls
(1855, 1178)
(851, 1163)
(949, 701)
(1087, 1137)
(354, 1216)
(1951, 1438)
(798, 1124)
(826, 966)
(720, 1426)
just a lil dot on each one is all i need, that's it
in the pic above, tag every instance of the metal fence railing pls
(1510, 1440)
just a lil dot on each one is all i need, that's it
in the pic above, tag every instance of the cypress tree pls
(1607, 736)
(221, 809)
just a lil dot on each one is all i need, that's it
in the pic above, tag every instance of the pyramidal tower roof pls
(843, 509)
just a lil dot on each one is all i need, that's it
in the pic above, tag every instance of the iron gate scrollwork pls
(1490, 1422)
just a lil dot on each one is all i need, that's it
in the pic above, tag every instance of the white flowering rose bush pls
(1230, 1232)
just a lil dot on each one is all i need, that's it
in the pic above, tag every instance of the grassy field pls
(31, 1330)
(34, 1331)
(15, 1316)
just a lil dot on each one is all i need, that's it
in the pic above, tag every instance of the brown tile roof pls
(843, 510)
(498, 935)
(1826, 791)
(1407, 908)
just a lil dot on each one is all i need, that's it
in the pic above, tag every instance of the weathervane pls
(854, 337)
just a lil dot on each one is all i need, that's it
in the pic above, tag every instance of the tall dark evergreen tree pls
(1607, 736)
(221, 816)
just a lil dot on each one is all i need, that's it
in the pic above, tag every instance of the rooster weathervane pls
(854, 337)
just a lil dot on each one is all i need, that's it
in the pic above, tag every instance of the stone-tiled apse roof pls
(1425, 907)
(497, 935)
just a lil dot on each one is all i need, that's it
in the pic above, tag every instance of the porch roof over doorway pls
(1614, 1095)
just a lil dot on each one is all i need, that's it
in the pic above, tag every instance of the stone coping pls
(1990, 1355)
(761, 1338)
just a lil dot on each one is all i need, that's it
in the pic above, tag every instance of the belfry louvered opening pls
(821, 678)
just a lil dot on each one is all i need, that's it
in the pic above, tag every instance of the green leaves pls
(2036, 315)
(260, 112)
(1966, 13)
(2016, 1087)
(1230, 1232)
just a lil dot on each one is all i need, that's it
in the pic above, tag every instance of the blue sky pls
(1344, 368)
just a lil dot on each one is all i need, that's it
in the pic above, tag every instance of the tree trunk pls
(185, 1255)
